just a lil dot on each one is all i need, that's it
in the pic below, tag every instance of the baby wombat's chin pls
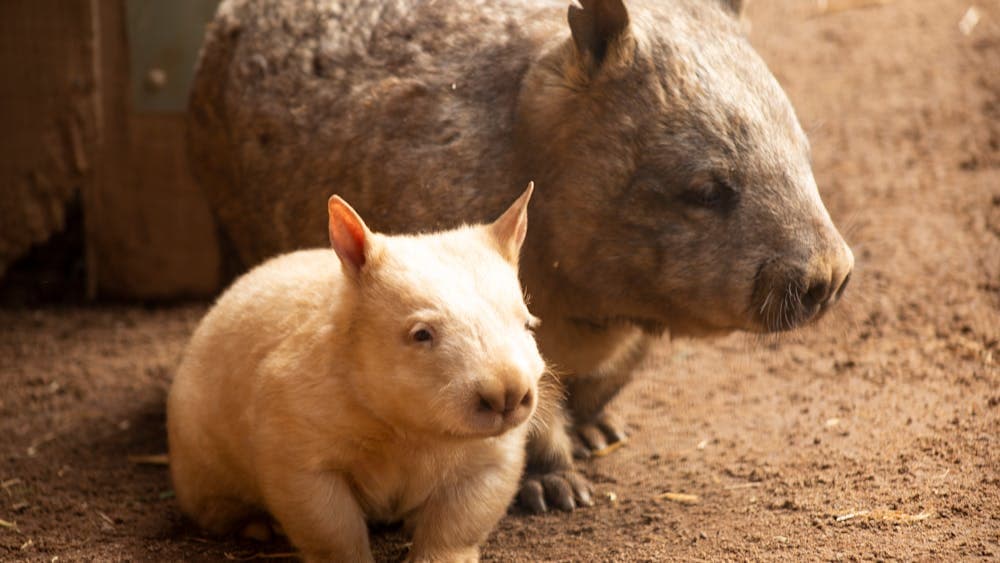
(481, 426)
(478, 434)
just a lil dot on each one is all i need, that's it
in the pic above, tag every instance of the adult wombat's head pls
(441, 339)
(677, 187)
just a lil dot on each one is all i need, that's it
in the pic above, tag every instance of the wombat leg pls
(317, 511)
(221, 515)
(595, 427)
(549, 478)
(459, 516)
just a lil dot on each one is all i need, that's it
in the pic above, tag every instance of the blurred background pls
(97, 196)
(874, 435)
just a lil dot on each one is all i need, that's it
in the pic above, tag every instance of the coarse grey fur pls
(674, 188)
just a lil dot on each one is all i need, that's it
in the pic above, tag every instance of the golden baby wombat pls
(387, 379)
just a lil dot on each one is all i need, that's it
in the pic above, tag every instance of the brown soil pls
(891, 406)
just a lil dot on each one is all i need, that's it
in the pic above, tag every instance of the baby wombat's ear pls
(510, 228)
(349, 235)
(598, 27)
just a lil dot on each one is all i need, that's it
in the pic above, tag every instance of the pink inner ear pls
(511, 227)
(347, 236)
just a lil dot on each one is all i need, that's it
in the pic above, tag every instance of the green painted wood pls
(164, 39)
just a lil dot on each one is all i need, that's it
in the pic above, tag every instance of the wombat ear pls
(349, 235)
(510, 228)
(596, 25)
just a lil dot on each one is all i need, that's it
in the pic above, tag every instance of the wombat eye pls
(711, 194)
(421, 333)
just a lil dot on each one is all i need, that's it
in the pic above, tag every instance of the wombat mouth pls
(482, 425)
(786, 310)
(783, 299)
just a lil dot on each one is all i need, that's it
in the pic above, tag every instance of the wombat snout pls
(825, 290)
(512, 398)
(830, 280)
(789, 295)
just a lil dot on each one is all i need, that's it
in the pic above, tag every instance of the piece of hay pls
(825, 7)
(106, 518)
(885, 515)
(682, 498)
(609, 449)
(151, 459)
(851, 515)
(743, 485)
(897, 516)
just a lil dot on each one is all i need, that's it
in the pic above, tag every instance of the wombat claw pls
(597, 436)
(565, 490)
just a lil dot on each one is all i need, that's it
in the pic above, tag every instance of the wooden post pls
(150, 234)
(72, 129)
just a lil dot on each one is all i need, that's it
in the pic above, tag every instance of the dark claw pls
(612, 428)
(593, 436)
(559, 492)
(532, 496)
(580, 450)
(565, 490)
(606, 430)
(582, 489)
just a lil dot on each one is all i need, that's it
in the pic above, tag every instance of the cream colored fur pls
(306, 393)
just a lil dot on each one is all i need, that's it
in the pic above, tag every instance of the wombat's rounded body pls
(674, 185)
(328, 395)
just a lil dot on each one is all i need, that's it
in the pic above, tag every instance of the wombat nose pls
(829, 286)
(817, 293)
(504, 402)
(789, 294)
(822, 292)
(843, 285)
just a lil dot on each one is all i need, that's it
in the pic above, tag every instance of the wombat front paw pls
(564, 490)
(258, 530)
(599, 437)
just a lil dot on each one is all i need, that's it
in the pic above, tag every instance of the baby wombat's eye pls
(422, 333)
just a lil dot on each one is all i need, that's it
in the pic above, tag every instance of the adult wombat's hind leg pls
(595, 427)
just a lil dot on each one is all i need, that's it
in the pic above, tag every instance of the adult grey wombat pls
(674, 189)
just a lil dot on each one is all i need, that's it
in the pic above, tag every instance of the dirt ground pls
(873, 436)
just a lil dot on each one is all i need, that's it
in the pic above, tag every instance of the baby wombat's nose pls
(505, 400)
